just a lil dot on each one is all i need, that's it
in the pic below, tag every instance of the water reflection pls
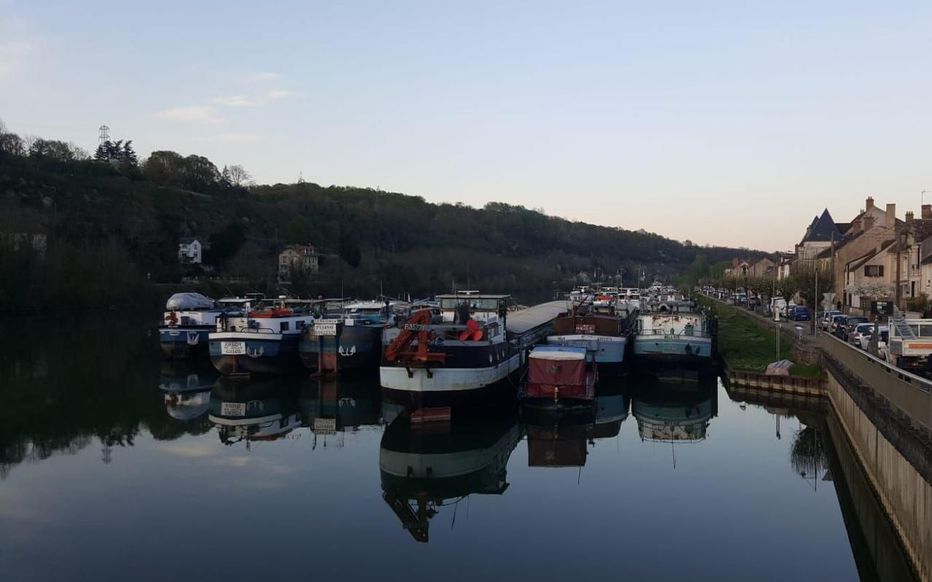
(258, 411)
(331, 406)
(178, 377)
(561, 438)
(675, 409)
(426, 468)
(186, 390)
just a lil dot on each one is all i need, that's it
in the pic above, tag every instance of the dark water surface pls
(114, 466)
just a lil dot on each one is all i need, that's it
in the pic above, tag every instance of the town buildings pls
(876, 257)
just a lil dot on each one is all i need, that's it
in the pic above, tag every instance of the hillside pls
(112, 231)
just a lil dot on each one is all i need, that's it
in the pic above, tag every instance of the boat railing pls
(673, 334)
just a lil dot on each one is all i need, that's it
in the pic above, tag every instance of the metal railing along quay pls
(909, 394)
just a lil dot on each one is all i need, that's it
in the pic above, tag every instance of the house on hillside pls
(190, 251)
(295, 258)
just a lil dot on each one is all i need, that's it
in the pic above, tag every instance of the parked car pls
(865, 339)
(838, 321)
(883, 339)
(859, 332)
(754, 302)
(850, 324)
(800, 313)
(825, 319)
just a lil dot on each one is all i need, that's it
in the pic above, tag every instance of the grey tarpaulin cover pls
(189, 301)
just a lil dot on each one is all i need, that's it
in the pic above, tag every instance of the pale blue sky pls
(720, 122)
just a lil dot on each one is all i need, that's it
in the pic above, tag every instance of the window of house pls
(873, 271)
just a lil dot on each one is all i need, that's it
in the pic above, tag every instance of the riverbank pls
(747, 346)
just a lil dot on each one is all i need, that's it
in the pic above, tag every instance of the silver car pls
(861, 331)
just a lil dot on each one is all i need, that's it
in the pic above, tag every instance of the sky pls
(720, 122)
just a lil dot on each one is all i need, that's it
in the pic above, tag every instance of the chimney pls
(891, 214)
(927, 211)
(910, 217)
(867, 222)
(869, 204)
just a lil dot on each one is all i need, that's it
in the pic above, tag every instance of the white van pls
(778, 306)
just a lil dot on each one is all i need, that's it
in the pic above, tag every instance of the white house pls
(189, 251)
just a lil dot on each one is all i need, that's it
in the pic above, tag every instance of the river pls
(115, 465)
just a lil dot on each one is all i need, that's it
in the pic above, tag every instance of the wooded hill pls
(112, 229)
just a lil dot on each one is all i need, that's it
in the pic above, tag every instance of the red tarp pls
(558, 372)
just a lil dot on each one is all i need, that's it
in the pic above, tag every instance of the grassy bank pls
(745, 344)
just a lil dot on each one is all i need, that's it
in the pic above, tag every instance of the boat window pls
(284, 326)
(475, 303)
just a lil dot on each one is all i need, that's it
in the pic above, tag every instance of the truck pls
(910, 342)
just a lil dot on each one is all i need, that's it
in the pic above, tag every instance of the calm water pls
(115, 466)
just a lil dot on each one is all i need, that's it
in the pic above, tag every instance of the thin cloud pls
(191, 114)
(247, 101)
(235, 101)
(234, 138)
(279, 94)
(260, 77)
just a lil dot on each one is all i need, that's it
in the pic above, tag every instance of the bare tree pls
(238, 176)
(11, 144)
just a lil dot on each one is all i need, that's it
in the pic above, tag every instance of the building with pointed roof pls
(821, 234)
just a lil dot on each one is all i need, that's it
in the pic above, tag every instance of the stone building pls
(296, 258)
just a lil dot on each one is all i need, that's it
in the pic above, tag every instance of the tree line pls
(369, 241)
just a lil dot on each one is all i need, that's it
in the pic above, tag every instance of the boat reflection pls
(425, 468)
(339, 405)
(264, 411)
(186, 390)
(175, 377)
(675, 409)
(562, 438)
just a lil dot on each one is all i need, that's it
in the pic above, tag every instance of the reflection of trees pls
(808, 455)
(64, 382)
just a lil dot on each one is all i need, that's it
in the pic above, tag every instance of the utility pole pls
(899, 248)
(778, 342)
(815, 300)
